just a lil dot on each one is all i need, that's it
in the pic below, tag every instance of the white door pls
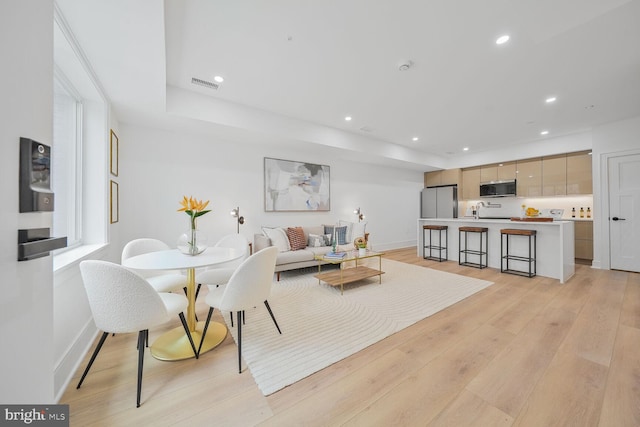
(624, 212)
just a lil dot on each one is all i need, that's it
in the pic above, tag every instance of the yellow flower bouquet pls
(193, 242)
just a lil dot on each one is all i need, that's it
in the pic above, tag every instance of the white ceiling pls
(313, 63)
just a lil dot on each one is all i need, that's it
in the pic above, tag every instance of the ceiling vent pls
(204, 83)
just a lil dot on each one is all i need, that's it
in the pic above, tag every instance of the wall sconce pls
(236, 214)
(359, 213)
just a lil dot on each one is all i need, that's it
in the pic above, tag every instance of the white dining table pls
(174, 344)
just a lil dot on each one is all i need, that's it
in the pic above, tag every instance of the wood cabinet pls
(506, 171)
(579, 174)
(471, 183)
(529, 174)
(488, 173)
(442, 177)
(432, 178)
(583, 232)
(498, 172)
(564, 174)
(554, 175)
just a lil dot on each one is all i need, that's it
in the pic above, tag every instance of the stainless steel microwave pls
(498, 188)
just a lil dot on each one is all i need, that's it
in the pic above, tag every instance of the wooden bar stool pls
(480, 252)
(439, 247)
(507, 256)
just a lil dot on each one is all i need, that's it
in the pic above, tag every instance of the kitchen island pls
(555, 242)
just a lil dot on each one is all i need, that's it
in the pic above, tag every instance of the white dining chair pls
(248, 287)
(123, 302)
(161, 280)
(221, 273)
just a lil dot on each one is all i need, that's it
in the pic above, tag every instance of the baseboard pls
(393, 245)
(68, 365)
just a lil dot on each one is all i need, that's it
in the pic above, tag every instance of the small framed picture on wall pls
(114, 204)
(113, 158)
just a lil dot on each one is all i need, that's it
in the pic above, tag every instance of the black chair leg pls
(93, 357)
(188, 332)
(272, 318)
(204, 332)
(231, 317)
(238, 315)
(142, 336)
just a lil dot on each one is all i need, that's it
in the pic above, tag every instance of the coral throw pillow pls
(296, 238)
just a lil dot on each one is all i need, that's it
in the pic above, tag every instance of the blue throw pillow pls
(341, 233)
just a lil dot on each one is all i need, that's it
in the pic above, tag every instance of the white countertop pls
(494, 221)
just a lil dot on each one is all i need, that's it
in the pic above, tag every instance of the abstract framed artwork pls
(114, 198)
(113, 158)
(291, 186)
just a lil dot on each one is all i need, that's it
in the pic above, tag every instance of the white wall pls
(26, 291)
(159, 167)
(613, 139)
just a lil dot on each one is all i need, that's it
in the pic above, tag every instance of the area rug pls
(320, 326)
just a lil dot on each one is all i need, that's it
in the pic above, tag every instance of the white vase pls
(192, 242)
(362, 251)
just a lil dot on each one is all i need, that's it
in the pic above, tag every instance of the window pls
(67, 161)
(79, 173)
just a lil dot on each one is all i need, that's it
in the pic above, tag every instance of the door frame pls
(602, 221)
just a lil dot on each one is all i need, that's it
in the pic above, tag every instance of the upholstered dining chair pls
(221, 273)
(123, 302)
(162, 281)
(249, 286)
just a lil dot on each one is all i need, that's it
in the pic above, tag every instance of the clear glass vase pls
(192, 242)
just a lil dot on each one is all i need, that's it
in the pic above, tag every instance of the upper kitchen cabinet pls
(579, 178)
(488, 173)
(506, 171)
(554, 175)
(443, 177)
(498, 172)
(529, 181)
(471, 183)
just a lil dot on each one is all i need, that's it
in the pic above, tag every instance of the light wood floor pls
(523, 352)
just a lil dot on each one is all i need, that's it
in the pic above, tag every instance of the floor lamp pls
(236, 214)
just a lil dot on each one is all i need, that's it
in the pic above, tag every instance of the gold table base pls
(174, 344)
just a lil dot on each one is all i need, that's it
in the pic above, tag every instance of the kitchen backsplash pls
(510, 206)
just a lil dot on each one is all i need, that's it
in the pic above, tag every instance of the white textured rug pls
(320, 326)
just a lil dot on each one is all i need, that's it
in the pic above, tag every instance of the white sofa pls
(290, 258)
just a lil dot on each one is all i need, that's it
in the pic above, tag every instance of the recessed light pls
(415, 138)
(550, 99)
(218, 79)
(465, 149)
(544, 132)
(348, 118)
(502, 39)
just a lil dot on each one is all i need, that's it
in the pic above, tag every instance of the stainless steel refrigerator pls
(439, 202)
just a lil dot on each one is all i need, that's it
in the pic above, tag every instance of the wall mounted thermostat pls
(35, 176)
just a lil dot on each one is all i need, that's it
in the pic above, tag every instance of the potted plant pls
(362, 248)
